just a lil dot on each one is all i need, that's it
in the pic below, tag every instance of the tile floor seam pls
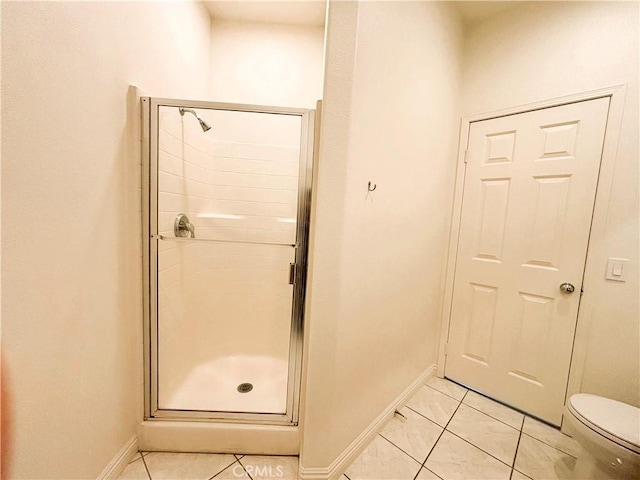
(517, 447)
(210, 478)
(497, 419)
(484, 451)
(175, 452)
(516, 454)
(146, 467)
(411, 457)
(423, 416)
(479, 448)
(440, 391)
(521, 473)
(440, 436)
(505, 405)
(501, 421)
(244, 468)
(235, 461)
(549, 445)
(432, 472)
(346, 476)
(134, 459)
(399, 448)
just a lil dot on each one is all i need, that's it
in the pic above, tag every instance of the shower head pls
(204, 125)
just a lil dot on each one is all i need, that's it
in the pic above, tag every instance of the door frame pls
(616, 94)
(150, 122)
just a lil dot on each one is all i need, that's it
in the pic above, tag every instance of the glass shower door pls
(228, 220)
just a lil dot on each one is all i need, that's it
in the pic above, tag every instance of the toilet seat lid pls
(615, 420)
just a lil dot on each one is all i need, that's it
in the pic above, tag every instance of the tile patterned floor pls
(204, 466)
(449, 432)
(445, 432)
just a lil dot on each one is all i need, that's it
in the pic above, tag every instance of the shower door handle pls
(292, 273)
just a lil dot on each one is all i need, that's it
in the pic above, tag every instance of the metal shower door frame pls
(150, 109)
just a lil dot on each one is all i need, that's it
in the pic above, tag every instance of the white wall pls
(71, 299)
(541, 50)
(266, 64)
(390, 117)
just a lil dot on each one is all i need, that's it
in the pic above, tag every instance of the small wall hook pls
(370, 188)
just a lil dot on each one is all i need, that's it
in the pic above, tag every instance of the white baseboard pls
(360, 443)
(120, 461)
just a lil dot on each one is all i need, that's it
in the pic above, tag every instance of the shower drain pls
(245, 387)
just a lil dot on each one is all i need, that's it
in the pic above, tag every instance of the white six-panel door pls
(529, 191)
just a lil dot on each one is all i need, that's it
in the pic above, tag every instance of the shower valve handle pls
(182, 227)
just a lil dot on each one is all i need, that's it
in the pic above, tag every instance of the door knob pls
(567, 288)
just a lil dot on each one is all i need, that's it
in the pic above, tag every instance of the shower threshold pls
(217, 437)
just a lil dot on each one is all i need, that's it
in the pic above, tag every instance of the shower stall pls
(226, 219)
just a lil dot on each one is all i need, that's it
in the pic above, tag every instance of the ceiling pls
(291, 12)
(312, 12)
(477, 11)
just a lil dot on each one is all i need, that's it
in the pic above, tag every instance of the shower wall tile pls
(264, 181)
(171, 275)
(256, 151)
(165, 224)
(170, 163)
(194, 138)
(170, 144)
(170, 122)
(220, 165)
(170, 183)
(197, 157)
(195, 188)
(255, 182)
(270, 236)
(224, 233)
(171, 202)
(168, 258)
(193, 171)
(286, 197)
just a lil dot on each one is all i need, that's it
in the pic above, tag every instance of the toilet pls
(609, 433)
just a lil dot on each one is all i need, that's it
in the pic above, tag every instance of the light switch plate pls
(617, 269)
